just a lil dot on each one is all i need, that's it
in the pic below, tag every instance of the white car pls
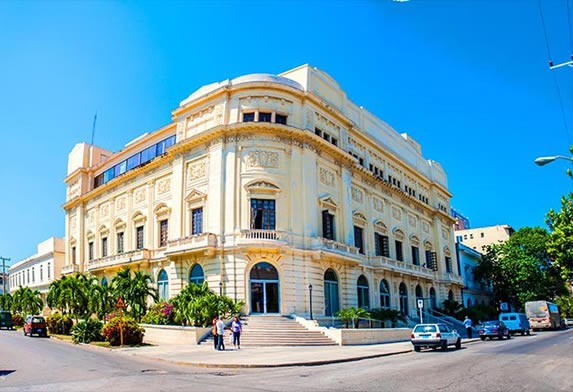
(434, 336)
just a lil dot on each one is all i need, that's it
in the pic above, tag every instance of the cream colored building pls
(41, 269)
(262, 186)
(481, 236)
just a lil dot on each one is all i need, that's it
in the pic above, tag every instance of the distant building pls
(4, 277)
(481, 236)
(41, 269)
(474, 292)
(462, 223)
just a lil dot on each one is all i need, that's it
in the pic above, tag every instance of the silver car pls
(434, 336)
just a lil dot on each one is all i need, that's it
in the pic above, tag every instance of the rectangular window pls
(280, 119)
(382, 245)
(108, 175)
(98, 181)
(41, 273)
(415, 255)
(334, 141)
(431, 260)
(33, 275)
(163, 226)
(148, 154)
(264, 117)
(120, 168)
(139, 237)
(73, 255)
(90, 250)
(248, 117)
(359, 239)
(49, 271)
(120, 242)
(133, 161)
(263, 214)
(399, 253)
(104, 247)
(448, 264)
(197, 221)
(317, 132)
(482, 235)
(327, 225)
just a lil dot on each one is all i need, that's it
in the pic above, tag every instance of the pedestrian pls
(214, 331)
(236, 329)
(220, 332)
(468, 324)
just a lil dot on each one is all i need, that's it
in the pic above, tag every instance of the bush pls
(132, 332)
(161, 313)
(58, 324)
(87, 331)
(17, 320)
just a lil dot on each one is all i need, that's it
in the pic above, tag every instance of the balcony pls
(455, 278)
(191, 243)
(119, 259)
(70, 269)
(337, 247)
(401, 266)
(262, 238)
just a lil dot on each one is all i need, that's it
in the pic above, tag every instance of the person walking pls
(220, 332)
(468, 324)
(236, 329)
(214, 331)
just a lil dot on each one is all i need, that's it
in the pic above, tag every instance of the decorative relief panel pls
(327, 177)
(163, 186)
(357, 195)
(396, 213)
(261, 158)
(378, 204)
(445, 234)
(266, 102)
(104, 210)
(74, 190)
(139, 195)
(196, 170)
(412, 220)
(425, 227)
(120, 203)
(91, 216)
(73, 222)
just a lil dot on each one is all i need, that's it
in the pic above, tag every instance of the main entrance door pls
(264, 289)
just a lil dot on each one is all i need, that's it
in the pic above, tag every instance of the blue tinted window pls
(120, 168)
(149, 153)
(108, 175)
(133, 161)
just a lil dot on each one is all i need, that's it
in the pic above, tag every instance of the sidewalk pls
(264, 357)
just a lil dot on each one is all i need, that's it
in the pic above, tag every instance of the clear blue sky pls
(467, 79)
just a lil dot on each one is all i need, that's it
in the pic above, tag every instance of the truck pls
(543, 315)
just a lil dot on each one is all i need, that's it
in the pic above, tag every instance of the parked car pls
(35, 325)
(568, 321)
(515, 322)
(493, 329)
(434, 336)
(6, 320)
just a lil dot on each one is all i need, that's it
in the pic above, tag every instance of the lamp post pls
(542, 161)
(310, 296)
(220, 289)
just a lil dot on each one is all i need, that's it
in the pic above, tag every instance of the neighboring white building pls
(4, 282)
(261, 186)
(478, 237)
(39, 270)
(474, 292)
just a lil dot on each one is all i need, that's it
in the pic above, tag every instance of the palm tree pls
(101, 301)
(27, 301)
(71, 293)
(352, 314)
(135, 290)
(6, 301)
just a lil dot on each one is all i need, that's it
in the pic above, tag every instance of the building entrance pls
(264, 289)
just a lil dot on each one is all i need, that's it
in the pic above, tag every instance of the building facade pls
(41, 269)
(462, 223)
(272, 189)
(474, 292)
(479, 237)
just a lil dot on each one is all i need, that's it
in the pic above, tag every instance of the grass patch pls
(67, 338)
(101, 344)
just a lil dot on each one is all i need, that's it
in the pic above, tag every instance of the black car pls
(493, 329)
(6, 320)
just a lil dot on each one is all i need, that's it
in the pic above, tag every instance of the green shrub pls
(17, 320)
(87, 331)
(160, 313)
(58, 324)
(132, 332)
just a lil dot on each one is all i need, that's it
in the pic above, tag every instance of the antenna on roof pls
(94, 129)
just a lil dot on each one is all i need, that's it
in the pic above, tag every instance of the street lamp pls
(542, 161)
(310, 296)
(220, 289)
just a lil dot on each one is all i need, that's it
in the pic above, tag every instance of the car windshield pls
(425, 328)
(38, 320)
(491, 323)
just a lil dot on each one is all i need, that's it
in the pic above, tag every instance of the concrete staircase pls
(269, 331)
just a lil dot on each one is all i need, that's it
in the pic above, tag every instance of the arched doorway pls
(419, 294)
(363, 292)
(163, 285)
(384, 294)
(433, 300)
(331, 302)
(451, 295)
(264, 289)
(403, 291)
(104, 281)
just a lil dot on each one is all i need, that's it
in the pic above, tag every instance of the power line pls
(545, 33)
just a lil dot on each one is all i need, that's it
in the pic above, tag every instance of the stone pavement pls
(259, 357)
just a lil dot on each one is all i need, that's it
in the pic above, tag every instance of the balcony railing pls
(400, 266)
(121, 258)
(263, 237)
(338, 246)
(190, 243)
(70, 269)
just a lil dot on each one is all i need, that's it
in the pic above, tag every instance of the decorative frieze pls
(196, 170)
(104, 210)
(261, 158)
(378, 204)
(120, 203)
(163, 186)
(357, 195)
(139, 195)
(327, 177)
(397, 213)
(90, 215)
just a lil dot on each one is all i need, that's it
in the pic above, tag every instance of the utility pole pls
(4, 260)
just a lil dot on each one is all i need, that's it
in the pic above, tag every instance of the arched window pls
(362, 291)
(403, 291)
(433, 301)
(331, 303)
(451, 295)
(264, 289)
(196, 275)
(104, 281)
(163, 285)
(384, 294)
(419, 294)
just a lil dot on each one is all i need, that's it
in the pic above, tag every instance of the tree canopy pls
(560, 242)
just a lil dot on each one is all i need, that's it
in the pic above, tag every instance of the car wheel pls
(459, 344)
(417, 349)
(482, 338)
(24, 332)
(508, 336)
(528, 332)
(444, 345)
(522, 333)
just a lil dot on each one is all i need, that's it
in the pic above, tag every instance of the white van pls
(516, 322)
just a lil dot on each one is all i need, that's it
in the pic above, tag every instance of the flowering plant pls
(160, 313)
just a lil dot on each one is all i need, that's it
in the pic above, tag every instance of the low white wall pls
(173, 334)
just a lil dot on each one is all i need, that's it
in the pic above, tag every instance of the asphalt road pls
(541, 362)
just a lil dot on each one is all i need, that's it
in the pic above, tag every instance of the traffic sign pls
(120, 304)
(420, 303)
